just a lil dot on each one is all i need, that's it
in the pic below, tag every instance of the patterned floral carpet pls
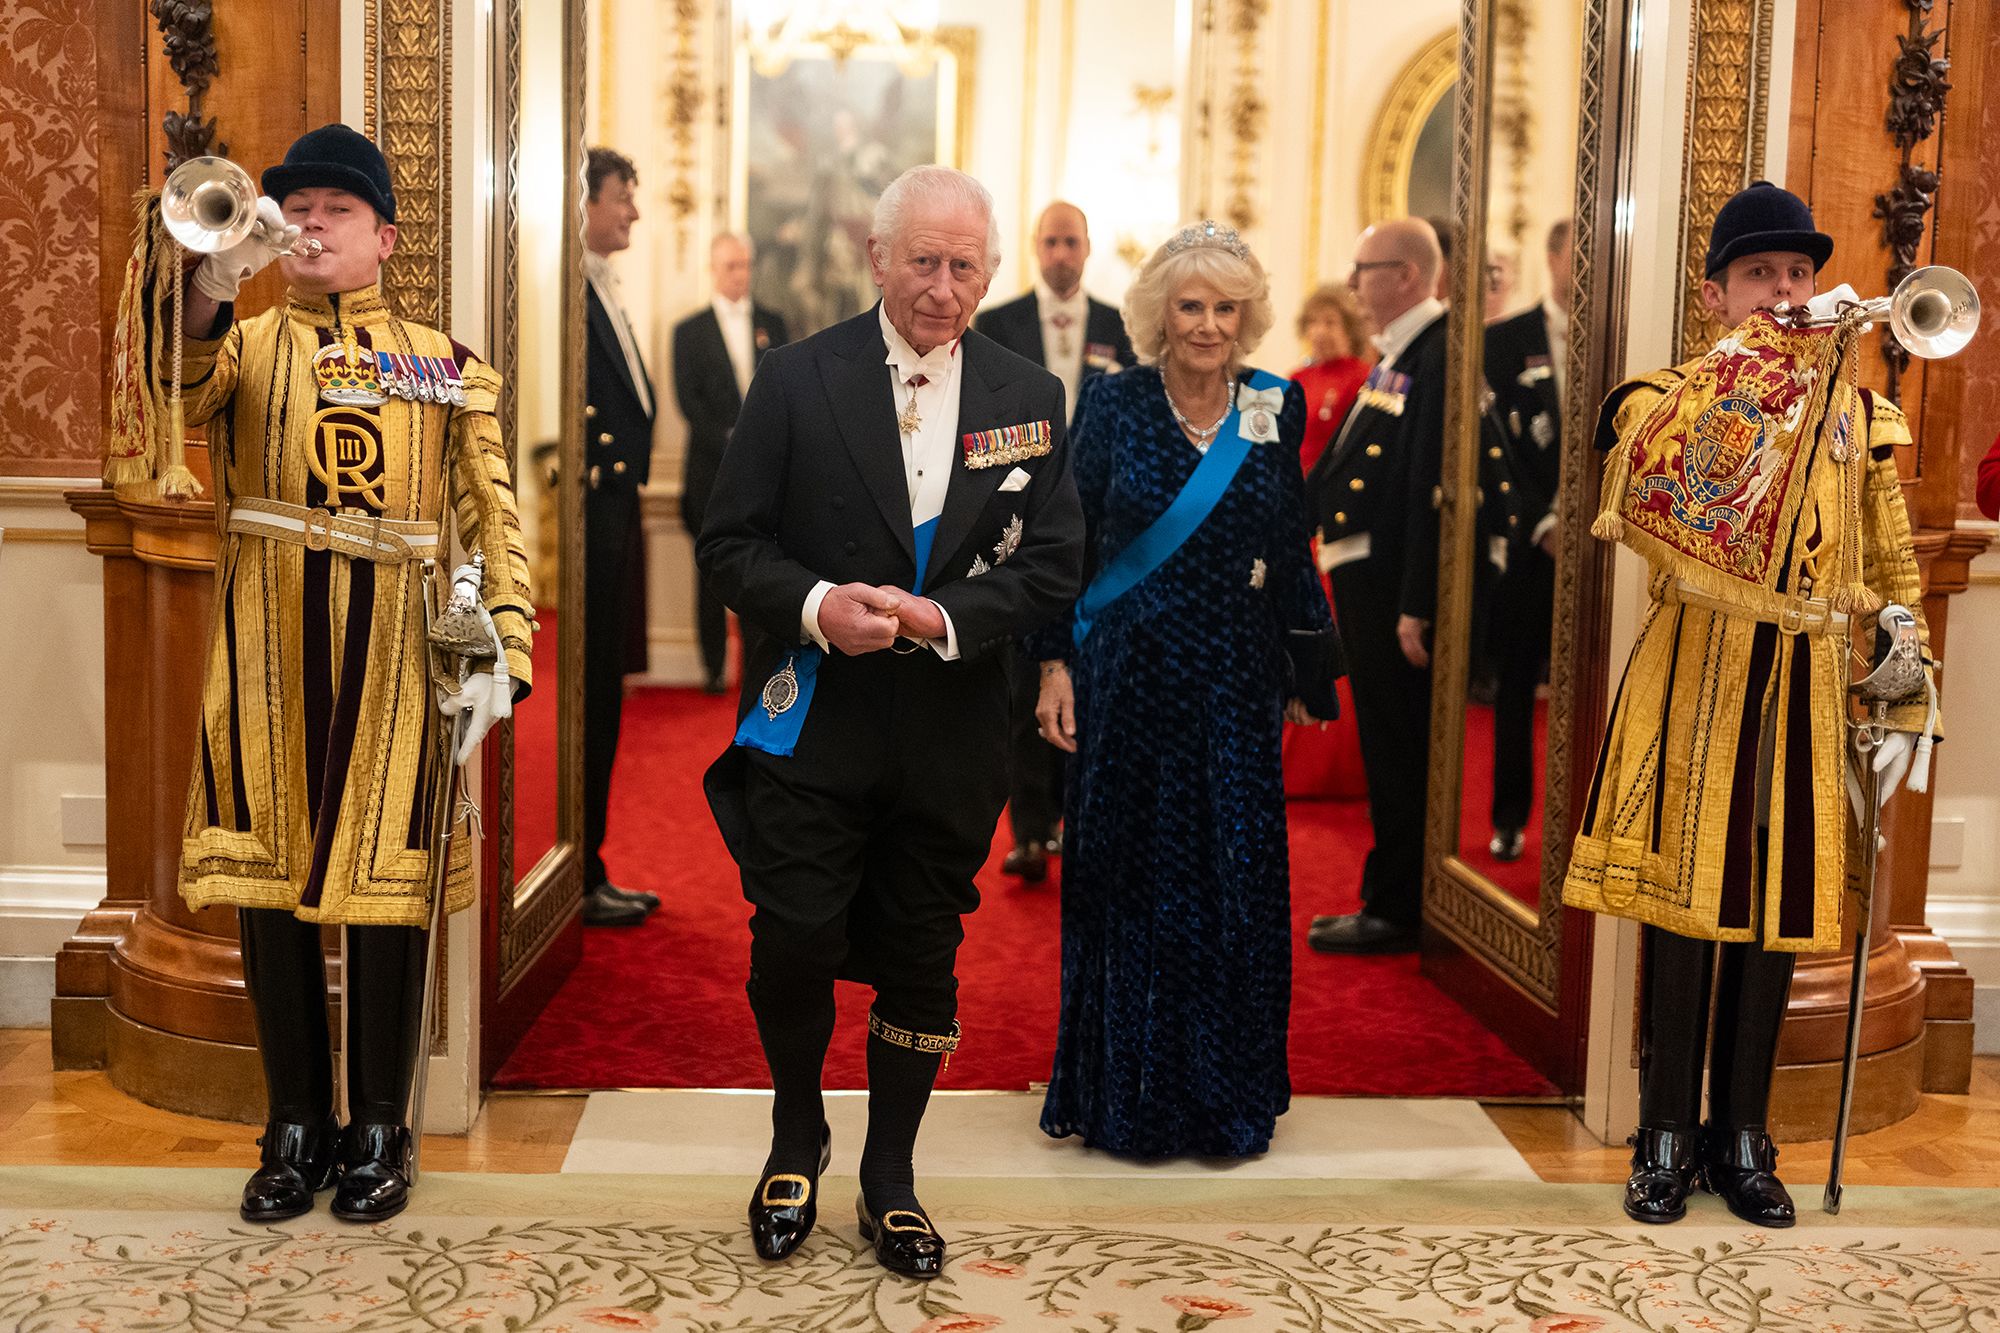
(94, 1249)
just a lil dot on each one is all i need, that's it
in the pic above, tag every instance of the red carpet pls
(662, 1005)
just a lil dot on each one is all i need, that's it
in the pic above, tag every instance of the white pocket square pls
(1017, 480)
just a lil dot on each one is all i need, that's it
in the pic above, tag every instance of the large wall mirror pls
(532, 810)
(1519, 687)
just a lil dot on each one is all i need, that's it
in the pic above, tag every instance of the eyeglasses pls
(1361, 266)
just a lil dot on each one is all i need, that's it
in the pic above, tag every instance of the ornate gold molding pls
(1247, 111)
(686, 96)
(1385, 161)
(406, 99)
(1729, 85)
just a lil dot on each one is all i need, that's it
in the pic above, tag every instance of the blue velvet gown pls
(1176, 940)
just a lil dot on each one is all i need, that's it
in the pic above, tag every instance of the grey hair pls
(1240, 280)
(936, 187)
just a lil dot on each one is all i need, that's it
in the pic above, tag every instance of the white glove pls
(484, 699)
(1892, 761)
(221, 275)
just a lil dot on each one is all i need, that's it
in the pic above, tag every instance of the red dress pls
(1325, 762)
(1987, 492)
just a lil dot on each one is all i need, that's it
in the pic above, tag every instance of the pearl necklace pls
(1202, 437)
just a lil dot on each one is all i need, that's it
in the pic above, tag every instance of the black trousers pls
(1523, 611)
(284, 971)
(711, 618)
(609, 518)
(1751, 986)
(1034, 767)
(862, 846)
(1392, 713)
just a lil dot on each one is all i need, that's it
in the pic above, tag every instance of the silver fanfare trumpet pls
(209, 204)
(1933, 313)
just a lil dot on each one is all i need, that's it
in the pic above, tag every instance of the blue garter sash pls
(1170, 531)
(778, 715)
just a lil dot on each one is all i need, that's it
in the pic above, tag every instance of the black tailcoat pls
(1017, 326)
(888, 803)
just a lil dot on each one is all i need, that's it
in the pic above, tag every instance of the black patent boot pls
(1666, 1165)
(785, 1207)
(375, 1183)
(299, 1161)
(1740, 1167)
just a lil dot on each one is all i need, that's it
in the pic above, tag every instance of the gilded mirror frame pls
(530, 913)
(1526, 947)
(1389, 151)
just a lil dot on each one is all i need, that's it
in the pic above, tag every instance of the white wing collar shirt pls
(1404, 328)
(604, 279)
(925, 390)
(734, 317)
(1063, 324)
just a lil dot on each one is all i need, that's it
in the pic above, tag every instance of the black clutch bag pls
(1313, 662)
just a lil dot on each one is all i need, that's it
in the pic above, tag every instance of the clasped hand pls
(860, 618)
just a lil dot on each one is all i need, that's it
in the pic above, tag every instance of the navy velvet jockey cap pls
(334, 157)
(1765, 217)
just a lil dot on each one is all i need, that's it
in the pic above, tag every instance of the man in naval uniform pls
(1526, 360)
(1372, 496)
(1074, 336)
(894, 508)
(342, 440)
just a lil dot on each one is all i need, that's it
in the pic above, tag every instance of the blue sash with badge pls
(774, 722)
(1189, 510)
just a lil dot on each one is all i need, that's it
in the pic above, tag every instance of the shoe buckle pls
(786, 1177)
(919, 1223)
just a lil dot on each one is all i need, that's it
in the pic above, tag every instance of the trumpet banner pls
(1710, 485)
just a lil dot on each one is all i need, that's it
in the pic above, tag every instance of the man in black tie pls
(618, 453)
(1525, 365)
(1060, 327)
(1371, 495)
(716, 350)
(897, 483)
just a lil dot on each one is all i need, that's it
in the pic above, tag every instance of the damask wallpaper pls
(49, 392)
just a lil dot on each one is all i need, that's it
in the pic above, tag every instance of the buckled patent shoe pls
(299, 1161)
(904, 1240)
(1740, 1166)
(786, 1205)
(1666, 1166)
(1507, 844)
(376, 1181)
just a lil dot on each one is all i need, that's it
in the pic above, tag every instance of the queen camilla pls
(1203, 626)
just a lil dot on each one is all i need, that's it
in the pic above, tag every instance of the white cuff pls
(809, 616)
(948, 648)
(1543, 528)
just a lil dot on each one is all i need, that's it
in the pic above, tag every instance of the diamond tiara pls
(1208, 233)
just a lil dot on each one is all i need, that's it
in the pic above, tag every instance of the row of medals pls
(341, 382)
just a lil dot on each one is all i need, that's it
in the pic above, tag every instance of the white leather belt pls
(357, 536)
(1792, 615)
(1344, 551)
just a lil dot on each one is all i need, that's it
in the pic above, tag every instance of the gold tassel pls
(1609, 525)
(177, 480)
(130, 448)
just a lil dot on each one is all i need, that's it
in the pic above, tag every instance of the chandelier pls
(780, 31)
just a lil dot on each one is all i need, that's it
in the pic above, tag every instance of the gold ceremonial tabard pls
(1724, 717)
(315, 777)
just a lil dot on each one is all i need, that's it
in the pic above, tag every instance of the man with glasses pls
(1372, 496)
